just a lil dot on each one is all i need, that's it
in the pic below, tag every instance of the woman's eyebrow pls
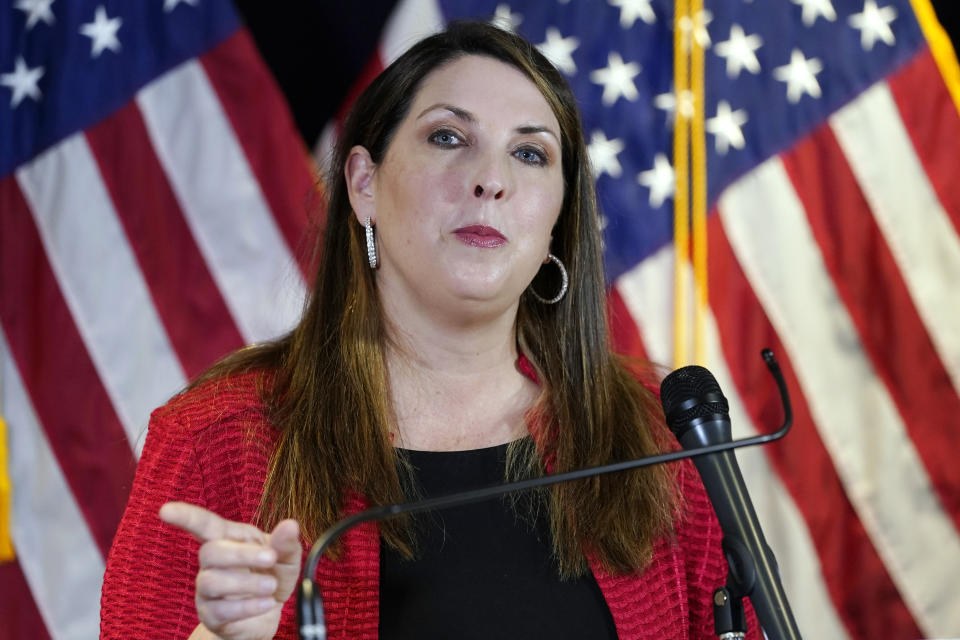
(463, 114)
(533, 128)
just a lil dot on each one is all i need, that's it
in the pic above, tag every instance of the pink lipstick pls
(478, 235)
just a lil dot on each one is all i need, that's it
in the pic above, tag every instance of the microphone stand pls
(311, 621)
(752, 566)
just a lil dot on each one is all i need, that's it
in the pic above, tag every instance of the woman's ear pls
(358, 172)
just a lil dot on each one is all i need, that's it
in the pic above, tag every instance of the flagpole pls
(698, 186)
(6, 489)
(681, 201)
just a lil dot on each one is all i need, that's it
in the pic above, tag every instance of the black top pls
(480, 571)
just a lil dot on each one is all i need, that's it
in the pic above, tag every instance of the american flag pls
(153, 198)
(153, 203)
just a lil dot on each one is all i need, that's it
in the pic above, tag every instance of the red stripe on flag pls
(872, 288)
(932, 121)
(274, 149)
(866, 597)
(81, 425)
(19, 613)
(623, 330)
(188, 301)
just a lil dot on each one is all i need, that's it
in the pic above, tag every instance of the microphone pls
(310, 617)
(698, 415)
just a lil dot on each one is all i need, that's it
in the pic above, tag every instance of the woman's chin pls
(479, 302)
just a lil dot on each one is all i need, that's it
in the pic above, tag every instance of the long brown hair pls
(328, 390)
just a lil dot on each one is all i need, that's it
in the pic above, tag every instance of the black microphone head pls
(689, 394)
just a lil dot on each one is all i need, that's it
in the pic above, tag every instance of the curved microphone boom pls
(698, 415)
(310, 615)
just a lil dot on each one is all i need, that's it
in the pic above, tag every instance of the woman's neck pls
(456, 386)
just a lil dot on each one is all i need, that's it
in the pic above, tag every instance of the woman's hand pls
(245, 574)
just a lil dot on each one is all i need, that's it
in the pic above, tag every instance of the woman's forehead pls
(483, 87)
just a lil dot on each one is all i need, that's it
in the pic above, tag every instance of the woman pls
(455, 336)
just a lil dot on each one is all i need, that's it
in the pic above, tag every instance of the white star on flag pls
(617, 79)
(812, 9)
(697, 27)
(559, 50)
(726, 127)
(739, 52)
(800, 74)
(603, 155)
(102, 32)
(22, 81)
(874, 23)
(504, 19)
(36, 11)
(668, 103)
(661, 180)
(170, 5)
(630, 10)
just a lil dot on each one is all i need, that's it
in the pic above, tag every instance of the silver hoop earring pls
(563, 288)
(371, 245)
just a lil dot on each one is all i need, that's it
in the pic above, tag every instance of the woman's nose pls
(492, 179)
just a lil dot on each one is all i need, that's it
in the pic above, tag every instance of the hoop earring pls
(371, 245)
(563, 287)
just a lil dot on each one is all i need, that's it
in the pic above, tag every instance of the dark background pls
(316, 72)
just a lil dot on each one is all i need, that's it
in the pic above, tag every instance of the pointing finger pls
(205, 525)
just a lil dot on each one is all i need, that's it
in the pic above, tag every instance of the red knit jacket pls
(211, 447)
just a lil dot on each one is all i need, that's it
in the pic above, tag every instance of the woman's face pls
(468, 191)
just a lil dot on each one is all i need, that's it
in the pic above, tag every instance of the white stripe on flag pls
(411, 20)
(857, 420)
(101, 282)
(222, 202)
(918, 231)
(59, 558)
(647, 291)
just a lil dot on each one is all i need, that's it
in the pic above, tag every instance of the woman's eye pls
(445, 138)
(531, 156)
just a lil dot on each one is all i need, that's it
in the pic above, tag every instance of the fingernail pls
(265, 556)
(264, 603)
(267, 585)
